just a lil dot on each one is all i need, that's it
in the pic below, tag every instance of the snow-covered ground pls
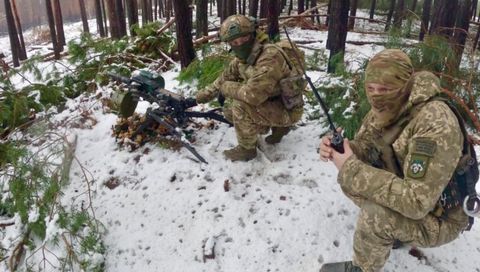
(282, 211)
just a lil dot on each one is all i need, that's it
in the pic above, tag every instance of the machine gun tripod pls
(172, 109)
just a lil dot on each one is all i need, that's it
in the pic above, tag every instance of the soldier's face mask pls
(242, 46)
(386, 85)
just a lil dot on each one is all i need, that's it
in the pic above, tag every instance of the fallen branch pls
(165, 26)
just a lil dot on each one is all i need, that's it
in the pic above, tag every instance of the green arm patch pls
(423, 150)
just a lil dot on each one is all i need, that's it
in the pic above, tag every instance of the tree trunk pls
(390, 14)
(337, 32)
(353, 13)
(168, 9)
(104, 11)
(83, 13)
(112, 19)
(461, 30)
(120, 17)
(202, 18)
(372, 8)
(22, 52)
(273, 12)
(301, 6)
(53, 31)
(253, 8)
(263, 8)
(290, 7)
(474, 9)
(99, 18)
(59, 24)
(12, 33)
(132, 15)
(314, 4)
(444, 17)
(244, 7)
(161, 9)
(399, 14)
(414, 6)
(427, 5)
(184, 32)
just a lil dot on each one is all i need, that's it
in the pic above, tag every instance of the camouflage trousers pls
(378, 227)
(249, 121)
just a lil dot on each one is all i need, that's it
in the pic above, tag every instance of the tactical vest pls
(292, 87)
(461, 184)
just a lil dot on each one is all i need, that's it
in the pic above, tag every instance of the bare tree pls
(427, 4)
(168, 9)
(83, 13)
(399, 14)
(263, 8)
(132, 14)
(59, 24)
(273, 13)
(184, 32)
(301, 6)
(120, 12)
(390, 14)
(372, 8)
(99, 18)
(53, 31)
(253, 8)
(202, 18)
(22, 52)
(337, 32)
(12, 33)
(444, 17)
(353, 13)
(461, 30)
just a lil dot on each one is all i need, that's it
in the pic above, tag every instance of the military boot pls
(239, 153)
(277, 135)
(340, 267)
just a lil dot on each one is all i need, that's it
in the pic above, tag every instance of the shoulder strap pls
(285, 56)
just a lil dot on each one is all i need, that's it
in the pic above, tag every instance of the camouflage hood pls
(260, 39)
(424, 85)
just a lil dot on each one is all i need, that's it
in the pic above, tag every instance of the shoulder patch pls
(424, 146)
(423, 150)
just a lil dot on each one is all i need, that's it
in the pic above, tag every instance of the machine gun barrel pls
(337, 139)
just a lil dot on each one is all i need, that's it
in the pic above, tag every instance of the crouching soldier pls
(399, 167)
(252, 82)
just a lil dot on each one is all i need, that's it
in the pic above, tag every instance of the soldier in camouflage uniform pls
(402, 203)
(251, 81)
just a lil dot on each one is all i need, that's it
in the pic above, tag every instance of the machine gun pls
(171, 111)
(337, 139)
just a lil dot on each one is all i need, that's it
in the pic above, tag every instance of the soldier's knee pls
(377, 218)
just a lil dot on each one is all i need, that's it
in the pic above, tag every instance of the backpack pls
(461, 187)
(292, 87)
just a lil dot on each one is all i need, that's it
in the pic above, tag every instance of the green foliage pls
(433, 55)
(206, 70)
(394, 38)
(317, 61)
(149, 43)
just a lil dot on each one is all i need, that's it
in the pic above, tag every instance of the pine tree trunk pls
(300, 6)
(168, 9)
(253, 8)
(161, 9)
(427, 5)
(104, 12)
(12, 33)
(372, 9)
(59, 24)
(290, 7)
(314, 4)
(184, 32)
(263, 8)
(112, 19)
(461, 30)
(474, 9)
(444, 17)
(53, 32)
(273, 12)
(83, 13)
(390, 14)
(22, 52)
(120, 17)
(231, 8)
(353, 13)
(202, 18)
(399, 14)
(132, 15)
(244, 7)
(99, 18)
(337, 32)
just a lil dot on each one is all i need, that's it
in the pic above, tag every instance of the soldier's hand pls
(202, 97)
(340, 158)
(325, 149)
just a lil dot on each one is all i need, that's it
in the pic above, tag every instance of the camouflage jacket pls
(254, 81)
(428, 150)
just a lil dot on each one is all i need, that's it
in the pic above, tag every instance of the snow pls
(284, 210)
